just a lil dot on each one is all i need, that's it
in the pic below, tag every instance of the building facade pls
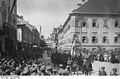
(54, 36)
(94, 26)
(8, 27)
(49, 42)
(28, 36)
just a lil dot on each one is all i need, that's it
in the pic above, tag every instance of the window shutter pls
(107, 40)
(81, 24)
(87, 24)
(97, 24)
(87, 39)
(119, 23)
(96, 40)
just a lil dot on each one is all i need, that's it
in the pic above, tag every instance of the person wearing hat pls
(102, 72)
(42, 69)
(49, 67)
(61, 70)
(69, 63)
(54, 71)
(67, 70)
(114, 72)
(74, 66)
(25, 71)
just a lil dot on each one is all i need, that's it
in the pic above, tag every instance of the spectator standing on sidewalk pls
(114, 72)
(102, 72)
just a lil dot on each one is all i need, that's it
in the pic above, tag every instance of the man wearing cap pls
(49, 68)
(102, 72)
(114, 72)
(54, 71)
(61, 70)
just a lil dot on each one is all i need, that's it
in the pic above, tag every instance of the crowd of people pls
(63, 63)
(83, 59)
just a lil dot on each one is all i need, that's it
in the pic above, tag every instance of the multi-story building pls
(96, 24)
(54, 36)
(49, 42)
(27, 35)
(8, 26)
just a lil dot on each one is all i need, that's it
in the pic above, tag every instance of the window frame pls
(96, 23)
(117, 39)
(96, 39)
(84, 21)
(117, 23)
(106, 39)
(105, 23)
(85, 38)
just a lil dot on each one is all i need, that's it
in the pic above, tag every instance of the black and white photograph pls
(59, 38)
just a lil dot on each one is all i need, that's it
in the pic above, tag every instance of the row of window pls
(85, 39)
(95, 23)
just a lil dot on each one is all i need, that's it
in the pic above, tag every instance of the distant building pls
(96, 24)
(48, 42)
(8, 26)
(54, 36)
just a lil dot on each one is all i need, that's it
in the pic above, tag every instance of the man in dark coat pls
(102, 72)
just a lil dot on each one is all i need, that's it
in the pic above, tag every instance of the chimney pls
(40, 30)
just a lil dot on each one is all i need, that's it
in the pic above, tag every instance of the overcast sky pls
(46, 13)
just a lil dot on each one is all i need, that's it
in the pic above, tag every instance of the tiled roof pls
(99, 7)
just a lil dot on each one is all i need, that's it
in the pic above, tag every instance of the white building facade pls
(94, 25)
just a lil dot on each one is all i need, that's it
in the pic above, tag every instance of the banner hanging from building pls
(19, 35)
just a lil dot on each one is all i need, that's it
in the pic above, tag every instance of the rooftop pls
(99, 7)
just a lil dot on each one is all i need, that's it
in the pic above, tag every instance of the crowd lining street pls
(59, 64)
